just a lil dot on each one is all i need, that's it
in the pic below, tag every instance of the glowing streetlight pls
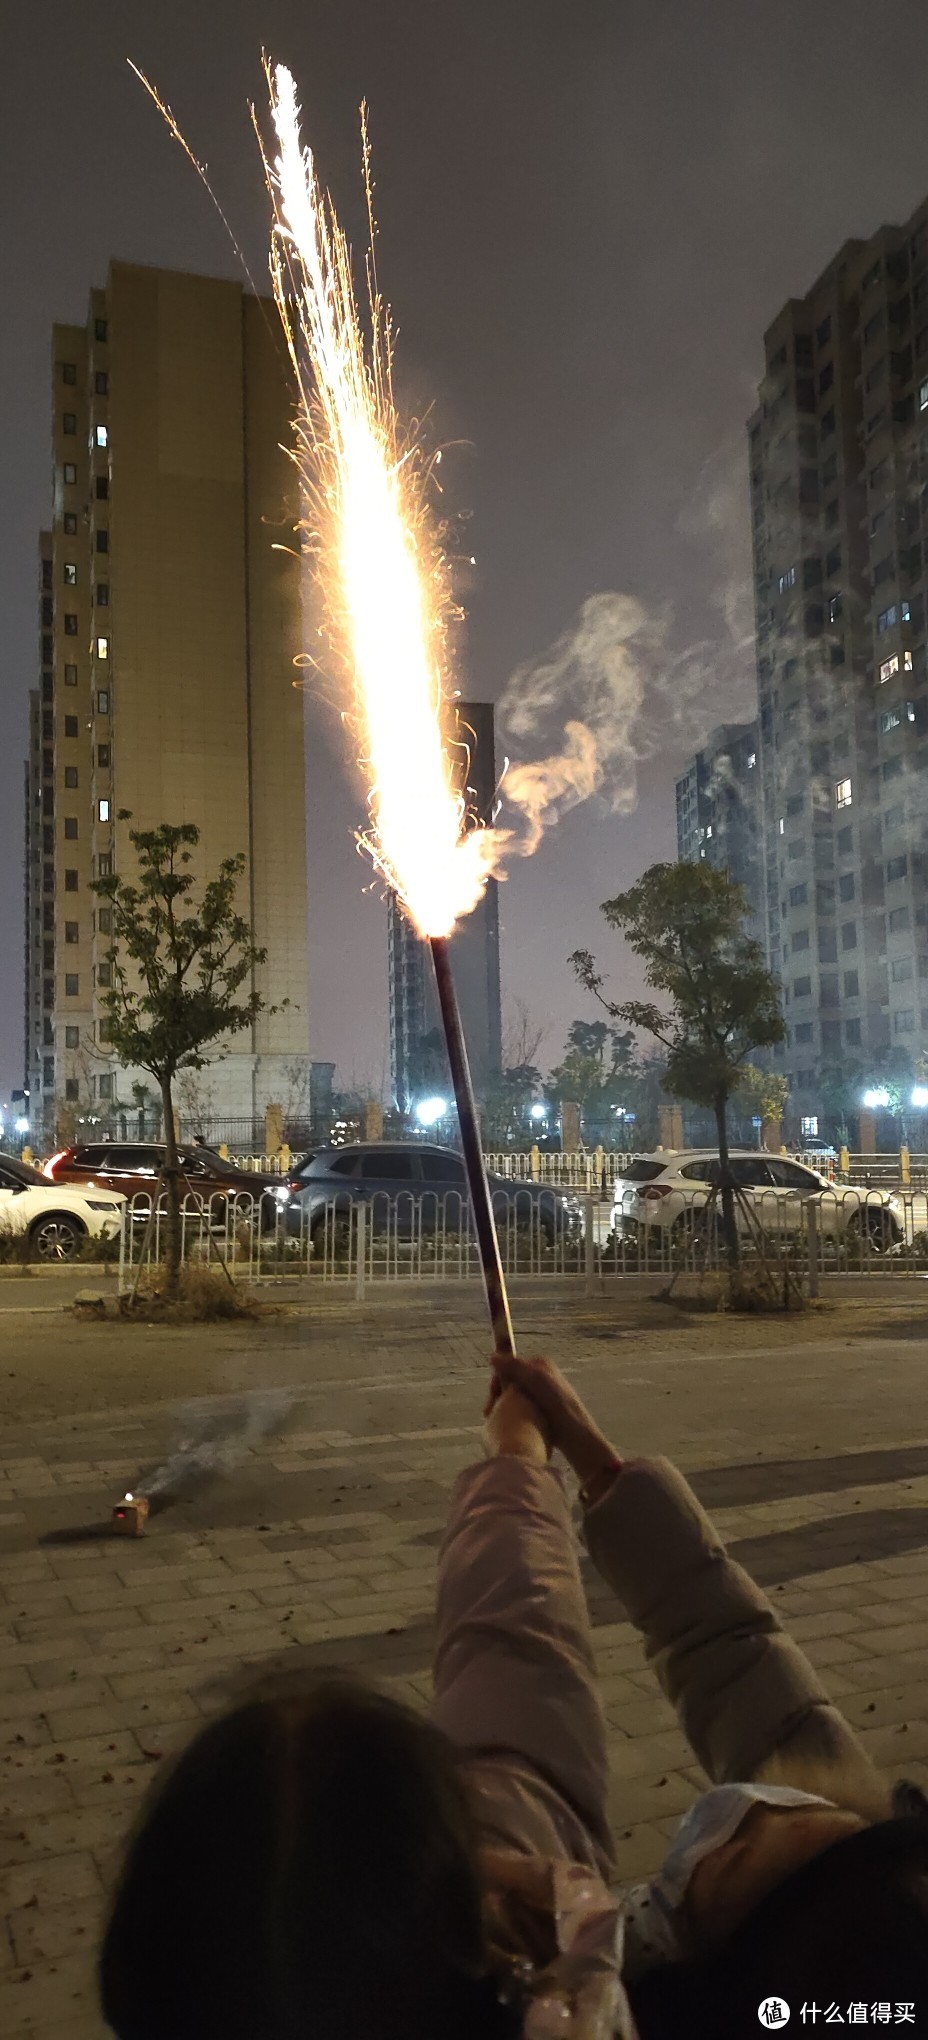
(876, 1100)
(430, 1110)
(541, 1111)
(22, 1126)
(920, 1097)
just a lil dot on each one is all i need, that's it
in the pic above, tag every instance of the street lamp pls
(876, 1100)
(430, 1110)
(540, 1111)
(22, 1126)
(920, 1097)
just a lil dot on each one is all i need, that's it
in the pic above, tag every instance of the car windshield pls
(23, 1170)
(218, 1165)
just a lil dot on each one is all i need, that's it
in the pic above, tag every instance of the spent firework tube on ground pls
(131, 1515)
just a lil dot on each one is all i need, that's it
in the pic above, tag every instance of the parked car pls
(413, 1183)
(55, 1219)
(132, 1167)
(668, 1193)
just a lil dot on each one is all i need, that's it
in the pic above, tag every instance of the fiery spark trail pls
(378, 555)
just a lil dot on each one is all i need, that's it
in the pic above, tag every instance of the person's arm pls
(513, 1666)
(748, 1700)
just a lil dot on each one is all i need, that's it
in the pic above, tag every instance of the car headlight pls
(101, 1204)
(282, 1194)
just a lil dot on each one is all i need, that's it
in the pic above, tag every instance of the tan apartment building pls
(170, 622)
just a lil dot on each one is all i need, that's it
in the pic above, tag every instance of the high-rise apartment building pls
(170, 619)
(474, 945)
(839, 494)
(719, 810)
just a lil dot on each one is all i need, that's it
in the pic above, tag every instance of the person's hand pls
(569, 1423)
(515, 1427)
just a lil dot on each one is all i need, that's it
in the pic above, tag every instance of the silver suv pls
(668, 1192)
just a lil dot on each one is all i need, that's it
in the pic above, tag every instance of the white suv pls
(54, 1217)
(667, 1193)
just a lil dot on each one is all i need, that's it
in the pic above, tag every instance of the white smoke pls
(617, 686)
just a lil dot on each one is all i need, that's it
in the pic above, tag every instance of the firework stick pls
(494, 1281)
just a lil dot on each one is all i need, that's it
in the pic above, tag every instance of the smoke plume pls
(618, 685)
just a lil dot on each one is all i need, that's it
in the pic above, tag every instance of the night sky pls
(588, 214)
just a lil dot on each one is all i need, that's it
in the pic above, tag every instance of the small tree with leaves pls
(766, 1094)
(183, 977)
(686, 923)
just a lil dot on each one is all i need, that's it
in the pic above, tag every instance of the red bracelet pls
(599, 1483)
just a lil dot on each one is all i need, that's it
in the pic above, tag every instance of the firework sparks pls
(374, 535)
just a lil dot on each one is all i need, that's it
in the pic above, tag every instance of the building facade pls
(474, 946)
(170, 621)
(839, 496)
(719, 810)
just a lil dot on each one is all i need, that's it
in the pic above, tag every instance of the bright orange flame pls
(378, 556)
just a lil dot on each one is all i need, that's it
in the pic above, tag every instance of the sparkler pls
(386, 586)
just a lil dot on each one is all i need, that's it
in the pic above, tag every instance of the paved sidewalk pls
(319, 1460)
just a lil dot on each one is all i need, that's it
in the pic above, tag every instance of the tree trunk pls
(729, 1222)
(172, 1196)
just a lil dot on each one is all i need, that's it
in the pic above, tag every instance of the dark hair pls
(306, 1868)
(851, 1925)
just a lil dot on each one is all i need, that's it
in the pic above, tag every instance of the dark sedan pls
(414, 1185)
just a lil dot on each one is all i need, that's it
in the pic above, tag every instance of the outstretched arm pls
(748, 1700)
(513, 1663)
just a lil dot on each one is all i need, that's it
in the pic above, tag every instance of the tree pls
(599, 1072)
(766, 1094)
(522, 1036)
(841, 1088)
(686, 923)
(178, 969)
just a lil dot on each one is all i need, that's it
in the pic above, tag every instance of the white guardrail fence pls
(543, 1233)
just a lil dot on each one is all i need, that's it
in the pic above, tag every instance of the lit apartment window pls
(752, 760)
(70, 574)
(103, 648)
(70, 473)
(834, 608)
(888, 668)
(923, 396)
(787, 580)
(891, 719)
(101, 437)
(781, 826)
(843, 793)
(70, 676)
(69, 424)
(103, 810)
(906, 610)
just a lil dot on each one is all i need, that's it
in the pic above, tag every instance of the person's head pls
(849, 1925)
(306, 1868)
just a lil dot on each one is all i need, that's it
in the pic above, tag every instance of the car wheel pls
(875, 1226)
(56, 1237)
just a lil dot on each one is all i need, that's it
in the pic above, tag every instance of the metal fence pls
(425, 1238)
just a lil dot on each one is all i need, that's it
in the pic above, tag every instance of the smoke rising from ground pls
(215, 1436)
(618, 685)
